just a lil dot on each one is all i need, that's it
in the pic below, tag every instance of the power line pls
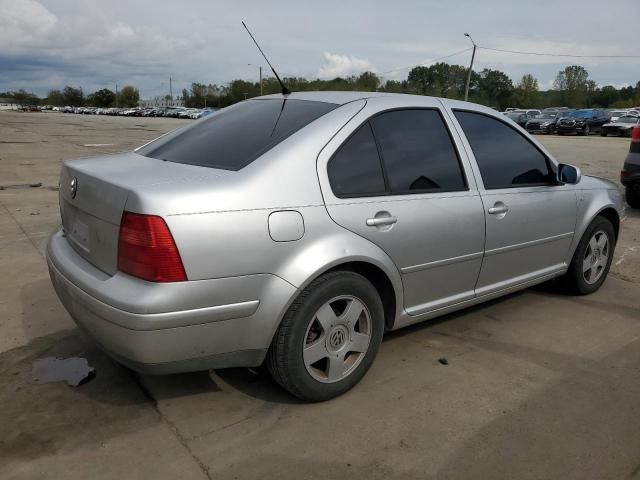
(427, 62)
(540, 54)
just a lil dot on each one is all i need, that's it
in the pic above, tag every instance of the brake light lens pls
(146, 249)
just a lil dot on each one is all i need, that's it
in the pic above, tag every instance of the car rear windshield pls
(236, 136)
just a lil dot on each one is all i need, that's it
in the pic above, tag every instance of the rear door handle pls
(498, 209)
(381, 221)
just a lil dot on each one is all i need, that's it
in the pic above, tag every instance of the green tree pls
(526, 92)
(368, 82)
(55, 98)
(129, 97)
(73, 96)
(605, 96)
(102, 98)
(496, 87)
(573, 84)
(24, 98)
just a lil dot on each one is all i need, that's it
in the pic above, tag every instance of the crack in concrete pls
(24, 232)
(183, 441)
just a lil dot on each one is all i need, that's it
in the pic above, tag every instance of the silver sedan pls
(296, 230)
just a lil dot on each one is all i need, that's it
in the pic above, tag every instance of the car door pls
(600, 117)
(399, 180)
(530, 217)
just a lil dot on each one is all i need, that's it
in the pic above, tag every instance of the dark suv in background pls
(583, 122)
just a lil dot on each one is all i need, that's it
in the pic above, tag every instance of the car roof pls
(342, 98)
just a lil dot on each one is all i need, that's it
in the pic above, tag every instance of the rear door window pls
(505, 157)
(236, 136)
(417, 152)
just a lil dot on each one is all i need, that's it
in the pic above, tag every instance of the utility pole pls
(170, 91)
(260, 70)
(116, 95)
(473, 56)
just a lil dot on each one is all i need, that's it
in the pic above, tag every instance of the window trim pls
(550, 164)
(387, 192)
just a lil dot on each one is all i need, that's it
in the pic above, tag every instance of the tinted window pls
(505, 157)
(235, 137)
(417, 151)
(355, 168)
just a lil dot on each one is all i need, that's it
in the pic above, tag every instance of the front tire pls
(592, 259)
(632, 194)
(328, 338)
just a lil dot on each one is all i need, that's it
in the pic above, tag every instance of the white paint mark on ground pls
(629, 251)
(98, 144)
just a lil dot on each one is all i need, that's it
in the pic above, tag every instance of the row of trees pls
(129, 96)
(572, 88)
(74, 97)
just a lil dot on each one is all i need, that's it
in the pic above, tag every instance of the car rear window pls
(234, 137)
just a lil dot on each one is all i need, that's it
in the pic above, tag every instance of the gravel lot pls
(538, 385)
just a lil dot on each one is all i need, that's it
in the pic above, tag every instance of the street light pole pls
(260, 70)
(473, 56)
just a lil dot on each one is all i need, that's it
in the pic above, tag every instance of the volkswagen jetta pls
(296, 230)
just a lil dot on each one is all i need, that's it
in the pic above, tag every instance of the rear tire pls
(592, 259)
(328, 338)
(632, 193)
(603, 133)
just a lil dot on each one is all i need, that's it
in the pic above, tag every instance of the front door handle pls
(381, 221)
(498, 208)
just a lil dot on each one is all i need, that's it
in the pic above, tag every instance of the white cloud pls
(18, 19)
(336, 65)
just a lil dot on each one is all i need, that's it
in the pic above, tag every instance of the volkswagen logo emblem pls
(73, 187)
(337, 338)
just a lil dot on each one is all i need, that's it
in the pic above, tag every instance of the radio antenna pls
(285, 90)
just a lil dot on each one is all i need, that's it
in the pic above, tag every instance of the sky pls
(47, 44)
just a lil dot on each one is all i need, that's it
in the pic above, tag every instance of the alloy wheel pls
(337, 339)
(596, 257)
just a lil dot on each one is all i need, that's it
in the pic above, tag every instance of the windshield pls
(628, 120)
(581, 114)
(546, 115)
(514, 115)
(238, 135)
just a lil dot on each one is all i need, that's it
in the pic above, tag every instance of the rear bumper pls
(172, 327)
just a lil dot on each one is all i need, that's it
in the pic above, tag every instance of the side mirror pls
(569, 174)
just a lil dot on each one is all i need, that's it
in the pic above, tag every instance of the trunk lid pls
(93, 195)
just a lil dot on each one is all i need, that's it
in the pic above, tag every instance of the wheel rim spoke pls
(315, 352)
(352, 313)
(326, 317)
(359, 342)
(337, 367)
(587, 264)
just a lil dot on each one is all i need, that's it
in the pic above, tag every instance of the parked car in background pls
(297, 230)
(583, 122)
(630, 174)
(622, 127)
(546, 122)
(519, 116)
(616, 114)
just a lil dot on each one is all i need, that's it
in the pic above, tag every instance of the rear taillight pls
(146, 249)
(635, 135)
